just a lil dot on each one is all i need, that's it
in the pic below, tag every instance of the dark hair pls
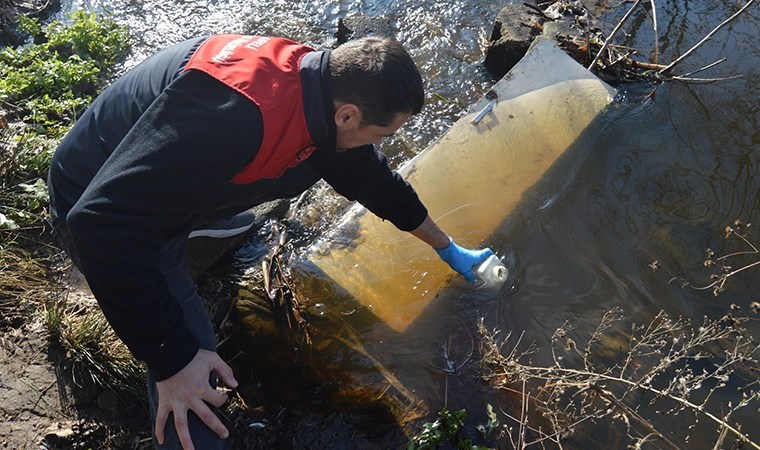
(377, 75)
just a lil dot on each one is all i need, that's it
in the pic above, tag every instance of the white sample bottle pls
(492, 272)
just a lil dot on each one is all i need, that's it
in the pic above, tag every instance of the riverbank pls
(51, 408)
(47, 397)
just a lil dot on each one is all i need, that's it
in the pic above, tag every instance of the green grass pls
(96, 355)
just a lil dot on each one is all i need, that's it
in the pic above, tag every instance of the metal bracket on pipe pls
(486, 109)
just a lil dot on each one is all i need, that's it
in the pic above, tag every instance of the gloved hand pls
(463, 260)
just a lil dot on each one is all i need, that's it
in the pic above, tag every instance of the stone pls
(59, 432)
(356, 27)
(514, 29)
(109, 401)
(203, 253)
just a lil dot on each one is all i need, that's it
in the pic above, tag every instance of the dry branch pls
(659, 363)
(705, 39)
(656, 33)
(614, 32)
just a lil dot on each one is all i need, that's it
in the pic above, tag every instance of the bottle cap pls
(492, 271)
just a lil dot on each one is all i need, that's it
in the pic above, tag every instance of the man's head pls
(376, 87)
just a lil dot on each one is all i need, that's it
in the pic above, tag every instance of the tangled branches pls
(722, 264)
(666, 369)
(281, 294)
(616, 62)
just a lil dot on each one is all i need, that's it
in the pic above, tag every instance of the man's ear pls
(347, 115)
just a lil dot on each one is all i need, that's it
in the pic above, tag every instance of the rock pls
(567, 22)
(10, 11)
(203, 253)
(109, 401)
(573, 9)
(361, 26)
(60, 431)
(515, 28)
(71, 435)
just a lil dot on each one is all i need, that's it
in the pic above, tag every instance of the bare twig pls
(684, 402)
(730, 232)
(704, 68)
(646, 65)
(656, 33)
(607, 395)
(451, 367)
(721, 281)
(614, 32)
(705, 39)
(523, 415)
(722, 435)
(658, 364)
(705, 80)
(297, 205)
(726, 271)
(556, 434)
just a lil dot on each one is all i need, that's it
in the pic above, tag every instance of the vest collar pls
(317, 96)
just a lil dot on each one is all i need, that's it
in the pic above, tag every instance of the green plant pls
(44, 87)
(54, 314)
(445, 429)
(47, 85)
(7, 224)
(492, 424)
(22, 206)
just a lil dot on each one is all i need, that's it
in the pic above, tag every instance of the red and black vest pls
(266, 71)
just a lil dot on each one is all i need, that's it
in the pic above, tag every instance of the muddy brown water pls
(674, 164)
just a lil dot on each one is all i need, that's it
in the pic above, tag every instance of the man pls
(200, 132)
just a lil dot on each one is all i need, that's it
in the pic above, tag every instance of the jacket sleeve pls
(196, 135)
(362, 174)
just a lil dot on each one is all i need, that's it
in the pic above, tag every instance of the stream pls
(674, 165)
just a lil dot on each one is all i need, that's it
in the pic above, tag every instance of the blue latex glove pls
(463, 260)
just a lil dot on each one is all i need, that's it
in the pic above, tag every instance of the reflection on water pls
(673, 166)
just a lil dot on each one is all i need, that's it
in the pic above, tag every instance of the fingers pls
(190, 390)
(180, 425)
(161, 416)
(215, 397)
(208, 417)
(183, 431)
(201, 410)
(225, 373)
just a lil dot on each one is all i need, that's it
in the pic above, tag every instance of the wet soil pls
(43, 407)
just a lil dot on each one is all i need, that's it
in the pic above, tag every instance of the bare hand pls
(189, 389)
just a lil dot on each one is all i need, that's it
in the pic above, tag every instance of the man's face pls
(352, 133)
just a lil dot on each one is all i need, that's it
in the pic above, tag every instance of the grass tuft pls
(24, 284)
(97, 356)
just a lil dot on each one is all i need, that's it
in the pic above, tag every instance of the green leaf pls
(492, 423)
(7, 224)
(38, 189)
